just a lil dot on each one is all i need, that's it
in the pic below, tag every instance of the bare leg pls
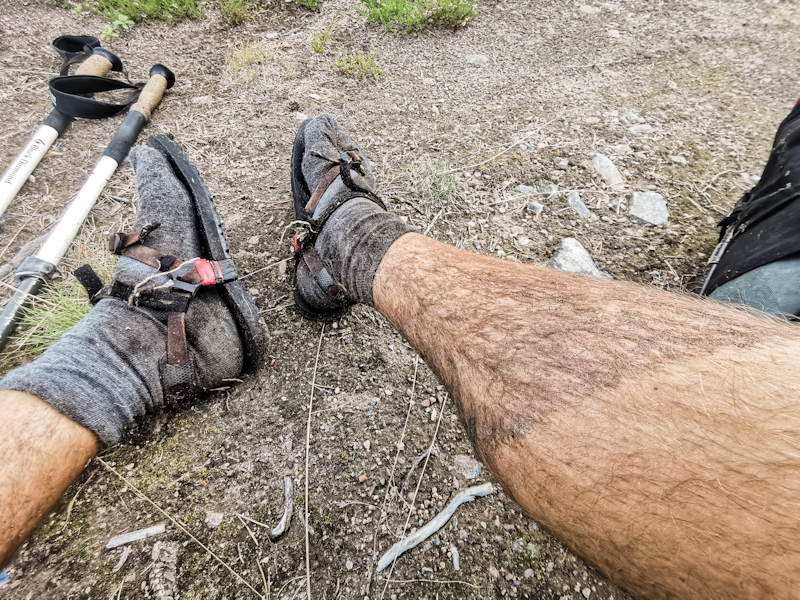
(655, 434)
(41, 453)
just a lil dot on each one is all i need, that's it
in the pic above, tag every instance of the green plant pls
(233, 11)
(137, 10)
(412, 15)
(362, 66)
(252, 54)
(312, 4)
(120, 21)
(78, 12)
(321, 38)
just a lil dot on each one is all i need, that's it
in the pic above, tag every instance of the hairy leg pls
(41, 453)
(655, 434)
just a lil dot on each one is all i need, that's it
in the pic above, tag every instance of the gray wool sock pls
(110, 369)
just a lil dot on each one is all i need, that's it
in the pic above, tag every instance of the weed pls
(361, 66)
(406, 16)
(121, 21)
(252, 54)
(78, 12)
(430, 182)
(312, 4)
(137, 10)
(234, 12)
(321, 38)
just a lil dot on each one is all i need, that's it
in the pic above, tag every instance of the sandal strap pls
(320, 273)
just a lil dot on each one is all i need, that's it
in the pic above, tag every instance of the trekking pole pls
(35, 270)
(99, 63)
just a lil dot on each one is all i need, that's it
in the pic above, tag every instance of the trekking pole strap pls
(68, 95)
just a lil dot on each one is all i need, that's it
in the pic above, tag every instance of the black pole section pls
(31, 275)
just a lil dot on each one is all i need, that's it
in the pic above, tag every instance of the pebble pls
(300, 116)
(427, 572)
(613, 33)
(575, 202)
(362, 478)
(466, 466)
(572, 257)
(253, 240)
(494, 572)
(528, 573)
(290, 463)
(591, 120)
(455, 557)
(213, 519)
(621, 149)
(589, 10)
(478, 60)
(535, 208)
(271, 36)
(649, 208)
(681, 160)
(641, 128)
(561, 162)
(518, 545)
(367, 444)
(586, 592)
(607, 170)
(640, 155)
(525, 190)
(349, 565)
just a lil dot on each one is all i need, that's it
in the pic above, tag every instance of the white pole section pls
(60, 238)
(22, 167)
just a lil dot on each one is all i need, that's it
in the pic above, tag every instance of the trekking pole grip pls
(99, 63)
(161, 79)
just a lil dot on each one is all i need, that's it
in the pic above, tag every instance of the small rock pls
(32, 179)
(649, 208)
(362, 478)
(575, 202)
(455, 557)
(613, 33)
(525, 190)
(528, 573)
(572, 257)
(681, 160)
(466, 466)
(621, 149)
(586, 592)
(478, 60)
(213, 519)
(290, 463)
(300, 116)
(427, 572)
(348, 565)
(589, 10)
(591, 120)
(253, 240)
(367, 444)
(271, 36)
(641, 128)
(640, 155)
(494, 572)
(426, 403)
(561, 163)
(518, 545)
(282, 268)
(535, 208)
(608, 171)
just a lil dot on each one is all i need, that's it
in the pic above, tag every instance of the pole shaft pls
(22, 167)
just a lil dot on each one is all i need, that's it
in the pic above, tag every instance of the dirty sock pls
(110, 368)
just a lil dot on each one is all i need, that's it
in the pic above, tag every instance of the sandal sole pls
(252, 328)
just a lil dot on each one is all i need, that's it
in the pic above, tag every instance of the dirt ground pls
(712, 79)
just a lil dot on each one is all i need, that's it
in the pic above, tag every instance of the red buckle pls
(296, 247)
(209, 271)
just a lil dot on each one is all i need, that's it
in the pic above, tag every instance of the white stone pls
(300, 116)
(479, 60)
(572, 257)
(608, 171)
(589, 10)
(649, 208)
(641, 128)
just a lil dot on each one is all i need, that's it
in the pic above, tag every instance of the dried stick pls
(416, 491)
(308, 444)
